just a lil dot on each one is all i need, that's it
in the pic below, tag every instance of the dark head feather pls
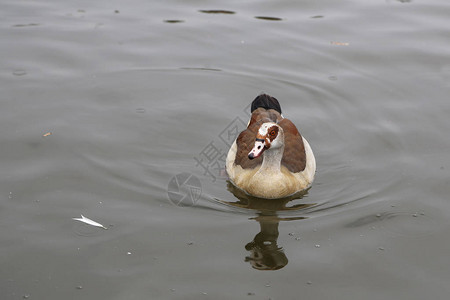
(267, 102)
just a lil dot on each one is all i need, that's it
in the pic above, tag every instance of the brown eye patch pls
(273, 132)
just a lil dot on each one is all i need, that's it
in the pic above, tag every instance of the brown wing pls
(294, 156)
(246, 139)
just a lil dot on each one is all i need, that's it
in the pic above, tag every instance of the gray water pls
(105, 105)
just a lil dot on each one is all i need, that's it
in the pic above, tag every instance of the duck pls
(270, 159)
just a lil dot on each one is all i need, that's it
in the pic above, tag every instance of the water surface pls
(104, 104)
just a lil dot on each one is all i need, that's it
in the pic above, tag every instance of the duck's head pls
(269, 136)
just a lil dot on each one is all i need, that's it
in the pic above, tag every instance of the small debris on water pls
(79, 287)
(250, 294)
(19, 72)
(340, 43)
(26, 296)
(381, 248)
(309, 282)
(333, 78)
(317, 246)
(190, 243)
(47, 134)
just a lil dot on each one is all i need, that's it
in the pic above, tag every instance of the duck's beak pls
(258, 149)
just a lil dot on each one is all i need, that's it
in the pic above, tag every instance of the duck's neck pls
(272, 160)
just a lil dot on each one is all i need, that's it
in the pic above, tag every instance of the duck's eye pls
(272, 133)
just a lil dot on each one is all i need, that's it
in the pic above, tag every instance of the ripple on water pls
(267, 18)
(217, 11)
(174, 21)
(320, 116)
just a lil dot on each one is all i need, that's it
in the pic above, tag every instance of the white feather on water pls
(89, 222)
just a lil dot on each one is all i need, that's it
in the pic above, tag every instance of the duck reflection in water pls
(265, 253)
